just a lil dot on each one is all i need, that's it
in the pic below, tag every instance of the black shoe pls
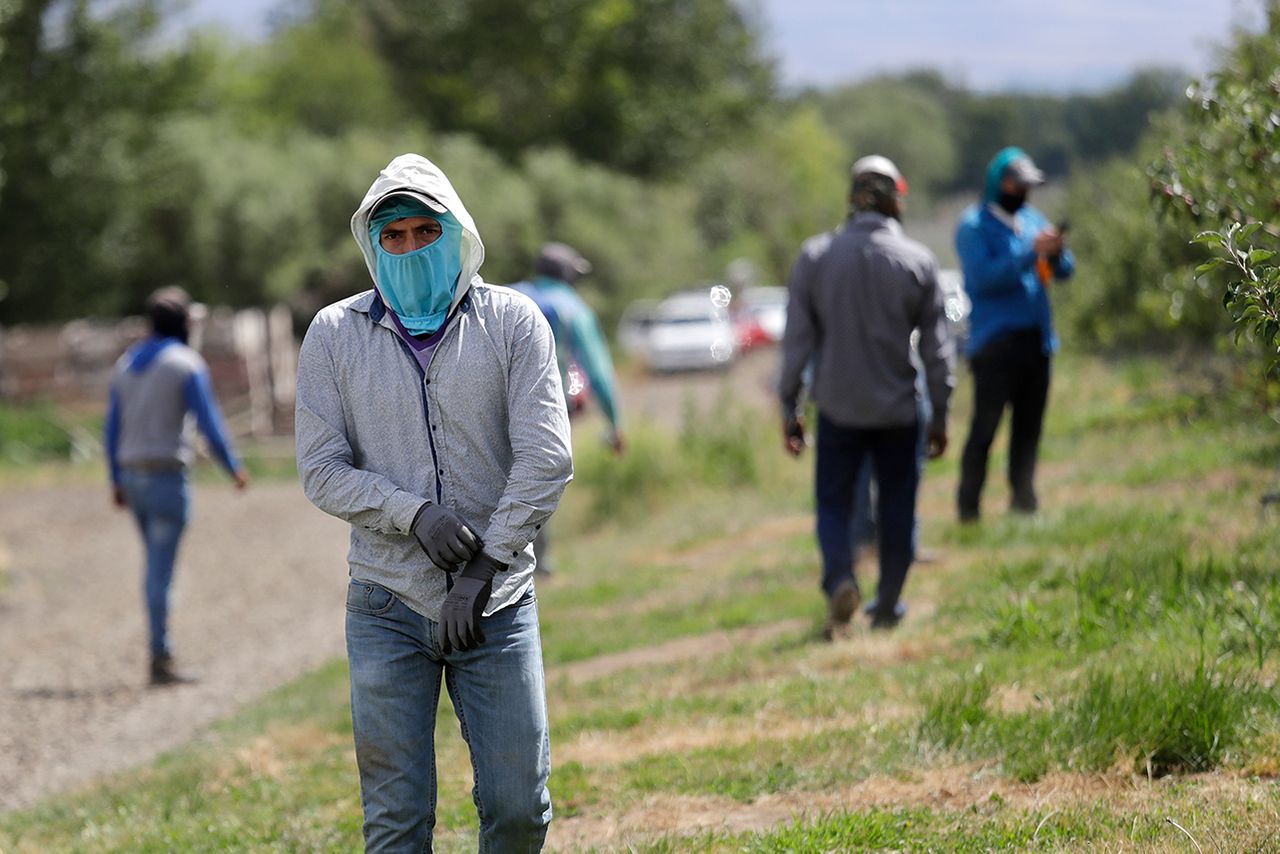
(840, 609)
(968, 517)
(164, 673)
(881, 620)
(1024, 504)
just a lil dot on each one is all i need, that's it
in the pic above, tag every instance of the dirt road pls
(257, 602)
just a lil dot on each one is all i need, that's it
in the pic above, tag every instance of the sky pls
(1067, 46)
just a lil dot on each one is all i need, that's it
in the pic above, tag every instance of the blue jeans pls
(864, 503)
(500, 700)
(160, 503)
(841, 453)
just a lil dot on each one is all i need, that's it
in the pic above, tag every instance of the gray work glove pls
(460, 614)
(444, 536)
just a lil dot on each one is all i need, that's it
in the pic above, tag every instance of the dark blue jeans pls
(160, 504)
(841, 452)
(864, 504)
(498, 695)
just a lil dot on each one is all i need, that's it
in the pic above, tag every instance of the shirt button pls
(441, 472)
(515, 554)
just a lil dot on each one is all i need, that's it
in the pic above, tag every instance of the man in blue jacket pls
(157, 383)
(1010, 255)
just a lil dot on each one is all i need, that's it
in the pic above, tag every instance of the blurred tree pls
(778, 185)
(904, 119)
(641, 236)
(1134, 288)
(81, 89)
(320, 73)
(644, 86)
(1221, 176)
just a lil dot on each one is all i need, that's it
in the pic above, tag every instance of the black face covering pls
(1011, 201)
(170, 320)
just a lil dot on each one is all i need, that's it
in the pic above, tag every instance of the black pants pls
(1012, 371)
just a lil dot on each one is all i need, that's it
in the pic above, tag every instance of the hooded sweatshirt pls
(999, 265)
(481, 429)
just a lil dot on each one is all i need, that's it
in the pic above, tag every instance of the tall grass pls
(31, 434)
(713, 449)
(1162, 719)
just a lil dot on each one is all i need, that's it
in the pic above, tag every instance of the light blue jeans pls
(160, 503)
(498, 695)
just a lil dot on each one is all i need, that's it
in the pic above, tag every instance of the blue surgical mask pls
(418, 286)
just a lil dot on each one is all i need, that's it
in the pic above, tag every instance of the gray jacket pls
(483, 432)
(855, 296)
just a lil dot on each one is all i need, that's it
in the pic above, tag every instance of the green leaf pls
(1257, 256)
(1209, 266)
(1249, 230)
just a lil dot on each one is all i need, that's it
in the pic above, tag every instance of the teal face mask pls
(418, 286)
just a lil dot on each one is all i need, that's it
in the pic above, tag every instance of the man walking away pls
(855, 296)
(157, 384)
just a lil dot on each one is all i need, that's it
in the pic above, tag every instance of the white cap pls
(878, 164)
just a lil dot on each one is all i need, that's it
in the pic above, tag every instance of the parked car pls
(689, 330)
(760, 316)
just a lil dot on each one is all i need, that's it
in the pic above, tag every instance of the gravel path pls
(257, 601)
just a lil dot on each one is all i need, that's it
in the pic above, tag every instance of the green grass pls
(1157, 721)
(1077, 680)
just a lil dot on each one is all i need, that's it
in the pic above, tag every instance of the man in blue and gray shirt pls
(430, 416)
(855, 297)
(158, 384)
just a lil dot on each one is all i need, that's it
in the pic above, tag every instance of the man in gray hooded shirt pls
(430, 416)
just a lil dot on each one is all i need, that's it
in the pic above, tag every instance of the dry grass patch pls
(973, 788)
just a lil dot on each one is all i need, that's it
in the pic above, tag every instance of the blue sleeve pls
(588, 346)
(990, 270)
(1065, 267)
(111, 436)
(200, 400)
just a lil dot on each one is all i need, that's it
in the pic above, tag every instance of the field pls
(1101, 676)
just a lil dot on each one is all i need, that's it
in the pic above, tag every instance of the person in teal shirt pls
(580, 346)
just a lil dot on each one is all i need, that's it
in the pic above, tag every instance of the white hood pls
(417, 174)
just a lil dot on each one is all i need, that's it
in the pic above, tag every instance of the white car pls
(687, 331)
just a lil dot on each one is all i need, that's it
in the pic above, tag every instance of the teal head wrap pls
(995, 170)
(419, 285)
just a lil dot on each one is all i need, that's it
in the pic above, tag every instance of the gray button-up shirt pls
(855, 296)
(484, 431)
